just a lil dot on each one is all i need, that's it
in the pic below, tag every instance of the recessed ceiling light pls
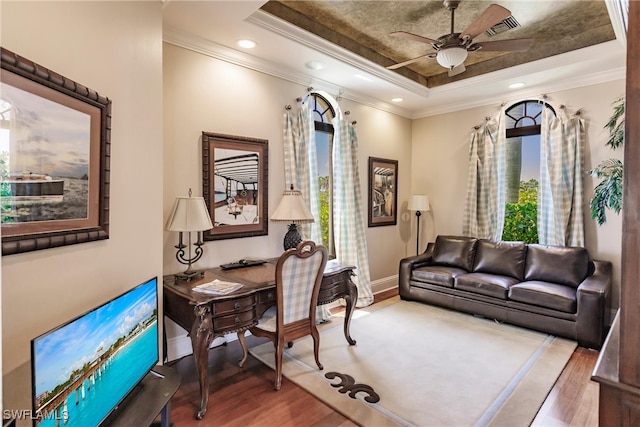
(397, 99)
(516, 85)
(315, 65)
(246, 44)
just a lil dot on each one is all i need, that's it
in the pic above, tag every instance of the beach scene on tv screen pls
(85, 368)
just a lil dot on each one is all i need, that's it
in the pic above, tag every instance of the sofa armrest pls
(408, 264)
(593, 299)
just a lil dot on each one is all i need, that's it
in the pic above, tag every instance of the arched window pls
(323, 114)
(523, 122)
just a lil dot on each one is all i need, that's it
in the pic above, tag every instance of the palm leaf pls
(615, 125)
(608, 193)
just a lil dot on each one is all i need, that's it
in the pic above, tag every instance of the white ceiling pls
(213, 28)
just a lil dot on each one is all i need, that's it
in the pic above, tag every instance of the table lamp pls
(418, 203)
(189, 214)
(292, 209)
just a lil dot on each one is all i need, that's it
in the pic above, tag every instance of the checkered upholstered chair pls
(298, 277)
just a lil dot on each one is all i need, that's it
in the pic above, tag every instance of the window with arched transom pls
(523, 123)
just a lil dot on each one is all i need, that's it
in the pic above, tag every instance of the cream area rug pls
(428, 366)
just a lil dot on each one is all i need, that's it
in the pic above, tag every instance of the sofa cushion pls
(557, 264)
(486, 284)
(437, 274)
(503, 258)
(455, 251)
(545, 294)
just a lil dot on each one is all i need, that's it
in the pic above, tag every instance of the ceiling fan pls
(451, 49)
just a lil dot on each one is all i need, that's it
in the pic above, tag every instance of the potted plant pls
(608, 193)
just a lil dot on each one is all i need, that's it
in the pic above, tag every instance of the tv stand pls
(142, 407)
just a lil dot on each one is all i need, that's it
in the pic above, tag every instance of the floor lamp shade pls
(418, 203)
(293, 210)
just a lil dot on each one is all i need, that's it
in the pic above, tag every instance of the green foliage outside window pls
(323, 182)
(521, 219)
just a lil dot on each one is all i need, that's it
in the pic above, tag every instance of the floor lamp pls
(418, 203)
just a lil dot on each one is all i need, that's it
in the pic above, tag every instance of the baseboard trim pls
(180, 346)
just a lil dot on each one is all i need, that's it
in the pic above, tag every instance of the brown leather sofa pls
(557, 290)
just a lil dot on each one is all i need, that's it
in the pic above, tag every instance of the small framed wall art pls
(383, 197)
(235, 185)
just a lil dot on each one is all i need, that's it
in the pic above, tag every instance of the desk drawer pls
(234, 322)
(267, 297)
(233, 306)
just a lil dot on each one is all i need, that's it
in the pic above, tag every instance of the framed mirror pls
(235, 185)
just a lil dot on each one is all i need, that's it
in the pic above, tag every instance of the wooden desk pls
(208, 316)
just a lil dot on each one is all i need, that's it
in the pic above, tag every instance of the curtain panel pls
(486, 188)
(561, 192)
(348, 211)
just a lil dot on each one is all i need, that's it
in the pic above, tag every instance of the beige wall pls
(114, 48)
(440, 163)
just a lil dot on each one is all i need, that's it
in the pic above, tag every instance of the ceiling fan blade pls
(410, 61)
(490, 17)
(513, 45)
(414, 37)
(457, 70)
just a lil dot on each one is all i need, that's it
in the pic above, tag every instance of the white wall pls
(440, 163)
(202, 93)
(114, 48)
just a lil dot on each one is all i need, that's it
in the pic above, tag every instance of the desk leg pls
(243, 344)
(351, 298)
(201, 337)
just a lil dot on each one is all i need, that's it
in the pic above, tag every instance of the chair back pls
(298, 277)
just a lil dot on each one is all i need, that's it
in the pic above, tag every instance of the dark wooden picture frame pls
(54, 158)
(383, 187)
(235, 175)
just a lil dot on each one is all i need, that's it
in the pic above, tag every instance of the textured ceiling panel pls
(364, 27)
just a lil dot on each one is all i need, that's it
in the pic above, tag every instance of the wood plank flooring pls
(245, 396)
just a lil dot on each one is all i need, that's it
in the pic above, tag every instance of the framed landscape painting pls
(235, 185)
(383, 184)
(54, 158)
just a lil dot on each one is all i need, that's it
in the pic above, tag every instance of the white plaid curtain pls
(486, 189)
(301, 165)
(561, 192)
(348, 210)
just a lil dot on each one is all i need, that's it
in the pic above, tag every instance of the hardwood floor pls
(245, 396)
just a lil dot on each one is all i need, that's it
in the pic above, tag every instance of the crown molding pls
(206, 47)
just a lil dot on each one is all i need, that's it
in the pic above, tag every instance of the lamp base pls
(292, 238)
(187, 276)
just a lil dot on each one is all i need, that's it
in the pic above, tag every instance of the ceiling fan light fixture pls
(451, 57)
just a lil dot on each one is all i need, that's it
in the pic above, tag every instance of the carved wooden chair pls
(298, 277)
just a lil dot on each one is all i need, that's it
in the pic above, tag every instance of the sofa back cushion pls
(455, 251)
(503, 258)
(565, 265)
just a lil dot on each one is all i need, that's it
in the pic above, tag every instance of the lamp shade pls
(451, 57)
(292, 209)
(189, 214)
(419, 202)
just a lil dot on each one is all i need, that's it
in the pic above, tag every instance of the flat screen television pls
(82, 370)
